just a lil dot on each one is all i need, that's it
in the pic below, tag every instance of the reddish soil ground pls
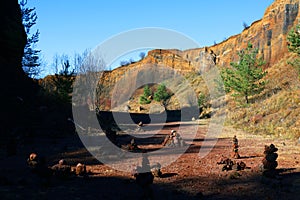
(189, 177)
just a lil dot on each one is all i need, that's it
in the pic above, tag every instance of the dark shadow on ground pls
(168, 175)
(246, 186)
(17, 182)
(248, 157)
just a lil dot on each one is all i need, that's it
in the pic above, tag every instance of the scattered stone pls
(155, 169)
(140, 124)
(61, 170)
(32, 161)
(242, 165)
(228, 164)
(38, 166)
(174, 140)
(80, 169)
(62, 162)
(168, 141)
(236, 167)
(227, 167)
(130, 147)
(239, 166)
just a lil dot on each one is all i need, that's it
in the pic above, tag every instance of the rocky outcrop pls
(268, 35)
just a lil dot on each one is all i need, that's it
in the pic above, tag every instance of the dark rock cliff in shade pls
(15, 87)
(12, 40)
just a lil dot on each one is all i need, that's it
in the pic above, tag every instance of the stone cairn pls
(144, 177)
(229, 164)
(61, 169)
(80, 170)
(132, 146)
(174, 140)
(269, 161)
(235, 148)
(156, 170)
(139, 126)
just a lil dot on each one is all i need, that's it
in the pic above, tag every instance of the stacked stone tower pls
(269, 161)
(235, 148)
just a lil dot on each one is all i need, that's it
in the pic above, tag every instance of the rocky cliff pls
(268, 35)
(14, 84)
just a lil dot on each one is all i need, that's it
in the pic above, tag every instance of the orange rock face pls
(268, 35)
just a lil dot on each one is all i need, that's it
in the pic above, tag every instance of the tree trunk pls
(247, 99)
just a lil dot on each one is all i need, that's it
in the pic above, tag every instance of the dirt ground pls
(189, 177)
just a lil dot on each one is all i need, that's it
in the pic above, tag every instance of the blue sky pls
(69, 26)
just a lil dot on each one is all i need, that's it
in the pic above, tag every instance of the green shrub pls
(144, 99)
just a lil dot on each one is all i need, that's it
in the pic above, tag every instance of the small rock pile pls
(59, 170)
(228, 164)
(33, 161)
(80, 170)
(156, 170)
(38, 165)
(269, 161)
(144, 177)
(174, 140)
(235, 148)
(139, 126)
(132, 146)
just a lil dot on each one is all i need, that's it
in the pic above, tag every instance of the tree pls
(30, 61)
(294, 40)
(162, 95)
(144, 99)
(131, 61)
(89, 67)
(63, 78)
(124, 63)
(245, 76)
(202, 100)
(294, 45)
(142, 55)
(245, 25)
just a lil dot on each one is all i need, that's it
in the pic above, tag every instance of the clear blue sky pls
(69, 26)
